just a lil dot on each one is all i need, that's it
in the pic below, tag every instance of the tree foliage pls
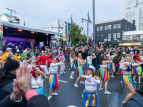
(75, 34)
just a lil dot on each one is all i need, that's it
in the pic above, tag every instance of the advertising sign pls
(6, 18)
(64, 38)
(16, 39)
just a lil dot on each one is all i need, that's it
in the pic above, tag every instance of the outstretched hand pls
(24, 78)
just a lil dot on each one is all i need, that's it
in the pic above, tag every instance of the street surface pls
(70, 95)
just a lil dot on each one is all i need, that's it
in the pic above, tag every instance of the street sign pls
(92, 37)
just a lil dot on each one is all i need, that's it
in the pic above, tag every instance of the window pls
(118, 26)
(118, 35)
(114, 26)
(126, 27)
(106, 27)
(142, 24)
(109, 36)
(109, 27)
(128, 37)
(105, 40)
(97, 28)
(114, 35)
(101, 28)
(124, 38)
(102, 36)
(98, 36)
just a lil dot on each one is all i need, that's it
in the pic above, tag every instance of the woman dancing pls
(37, 80)
(53, 79)
(72, 64)
(103, 73)
(90, 57)
(81, 69)
(127, 78)
(89, 94)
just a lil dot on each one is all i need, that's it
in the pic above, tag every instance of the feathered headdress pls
(117, 58)
(136, 58)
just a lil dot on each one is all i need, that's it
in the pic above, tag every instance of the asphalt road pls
(70, 95)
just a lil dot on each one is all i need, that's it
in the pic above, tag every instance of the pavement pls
(70, 96)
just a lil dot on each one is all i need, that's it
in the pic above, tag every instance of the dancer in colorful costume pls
(53, 79)
(37, 80)
(90, 57)
(103, 73)
(81, 68)
(138, 70)
(89, 94)
(127, 78)
(72, 64)
(111, 66)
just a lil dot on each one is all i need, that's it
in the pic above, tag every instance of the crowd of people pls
(22, 73)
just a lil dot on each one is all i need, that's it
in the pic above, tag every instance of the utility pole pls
(93, 23)
(88, 21)
(70, 28)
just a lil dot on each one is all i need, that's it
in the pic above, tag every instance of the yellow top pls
(17, 58)
(1, 59)
(5, 56)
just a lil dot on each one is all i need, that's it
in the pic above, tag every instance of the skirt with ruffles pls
(103, 74)
(126, 79)
(81, 70)
(137, 71)
(72, 66)
(89, 99)
(53, 81)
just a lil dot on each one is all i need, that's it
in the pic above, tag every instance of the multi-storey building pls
(110, 32)
(134, 11)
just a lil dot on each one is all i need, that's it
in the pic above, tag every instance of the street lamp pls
(10, 13)
(20, 15)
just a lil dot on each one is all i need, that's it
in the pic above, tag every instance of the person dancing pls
(72, 64)
(81, 69)
(103, 73)
(90, 94)
(90, 57)
(127, 78)
(53, 79)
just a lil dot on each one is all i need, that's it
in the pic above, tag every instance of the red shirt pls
(37, 58)
(49, 62)
(66, 52)
(48, 57)
(42, 60)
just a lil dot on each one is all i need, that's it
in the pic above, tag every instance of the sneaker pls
(49, 98)
(54, 93)
(121, 82)
(61, 73)
(109, 76)
(107, 92)
(75, 85)
(71, 78)
(100, 89)
(135, 82)
(112, 76)
(58, 74)
(82, 82)
(139, 82)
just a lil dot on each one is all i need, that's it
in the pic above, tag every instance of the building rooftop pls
(109, 21)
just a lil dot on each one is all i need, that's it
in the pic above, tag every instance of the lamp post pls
(20, 15)
(10, 13)
(93, 2)
(88, 21)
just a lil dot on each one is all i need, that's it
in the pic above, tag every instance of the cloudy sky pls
(38, 13)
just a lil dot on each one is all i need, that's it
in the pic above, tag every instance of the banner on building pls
(64, 38)
(16, 39)
(1, 33)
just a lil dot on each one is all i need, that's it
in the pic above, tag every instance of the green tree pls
(75, 34)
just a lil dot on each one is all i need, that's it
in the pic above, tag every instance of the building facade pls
(132, 38)
(59, 26)
(110, 32)
(134, 11)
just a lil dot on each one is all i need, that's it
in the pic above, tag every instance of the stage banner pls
(16, 39)
(1, 32)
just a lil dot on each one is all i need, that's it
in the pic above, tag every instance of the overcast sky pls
(38, 13)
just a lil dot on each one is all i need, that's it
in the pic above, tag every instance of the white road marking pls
(71, 106)
(63, 81)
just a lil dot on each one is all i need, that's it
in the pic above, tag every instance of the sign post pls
(92, 37)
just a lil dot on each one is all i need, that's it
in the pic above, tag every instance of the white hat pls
(8, 49)
(91, 67)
